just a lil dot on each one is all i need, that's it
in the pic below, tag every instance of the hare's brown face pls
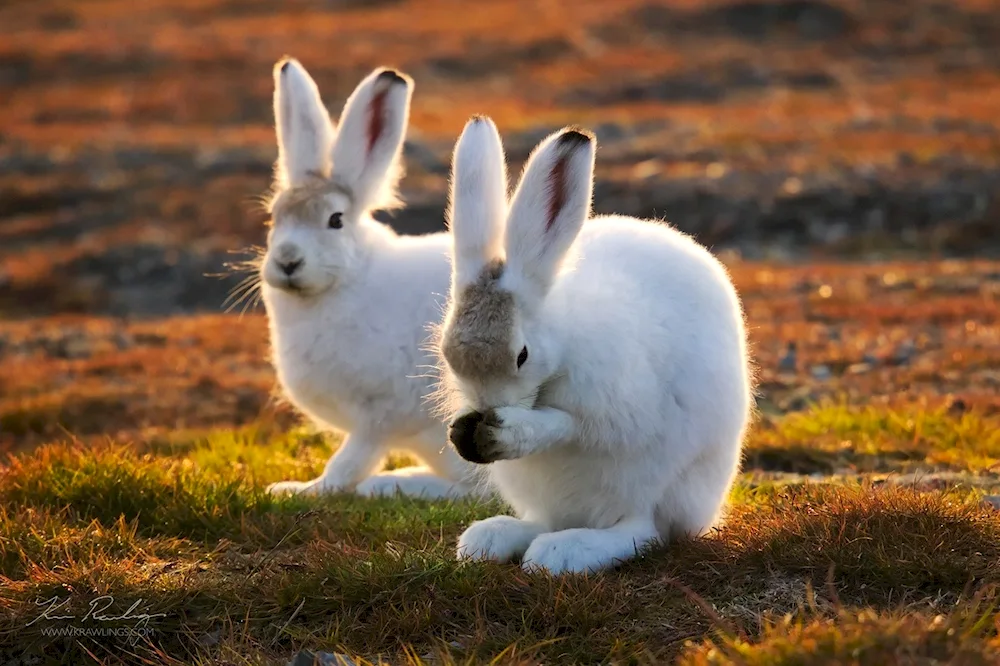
(483, 344)
(478, 334)
(311, 245)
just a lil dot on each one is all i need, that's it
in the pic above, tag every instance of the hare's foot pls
(588, 550)
(354, 460)
(412, 482)
(500, 539)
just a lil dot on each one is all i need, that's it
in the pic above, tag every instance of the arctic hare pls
(349, 302)
(600, 365)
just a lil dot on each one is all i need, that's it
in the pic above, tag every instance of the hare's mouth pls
(292, 285)
(296, 286)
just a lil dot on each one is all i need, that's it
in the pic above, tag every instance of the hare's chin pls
(297, 287)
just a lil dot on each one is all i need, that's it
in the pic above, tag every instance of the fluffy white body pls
(623, 424)
(350, 302)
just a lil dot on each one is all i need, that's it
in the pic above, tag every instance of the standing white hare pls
(349, 302)
(600, 365)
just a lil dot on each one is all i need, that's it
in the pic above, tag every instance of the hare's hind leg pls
(694, 502)
(355, 459)
(415, 481)
(443, 474)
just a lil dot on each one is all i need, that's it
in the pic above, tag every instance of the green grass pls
(184, 525)
(835, 437)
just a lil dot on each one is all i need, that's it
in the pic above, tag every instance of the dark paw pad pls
(461, 429)
(472, 437)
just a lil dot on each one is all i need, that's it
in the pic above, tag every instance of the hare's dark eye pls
(522, 357)
(335, 222)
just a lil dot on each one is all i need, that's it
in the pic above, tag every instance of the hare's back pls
(674, 303)
(650, 265)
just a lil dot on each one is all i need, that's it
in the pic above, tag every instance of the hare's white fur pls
(349, 318)
(625, 424)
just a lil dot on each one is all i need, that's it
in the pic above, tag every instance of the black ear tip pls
(576, 136)
(391, 76)
(284, 63)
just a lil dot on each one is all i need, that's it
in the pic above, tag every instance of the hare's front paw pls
(500, 539)
(583, 550)
(474, 437)
(568, 551)
(497, 434)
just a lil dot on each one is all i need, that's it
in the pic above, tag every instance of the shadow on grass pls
(805, 459)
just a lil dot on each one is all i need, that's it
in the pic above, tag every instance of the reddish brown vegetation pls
(900, 333)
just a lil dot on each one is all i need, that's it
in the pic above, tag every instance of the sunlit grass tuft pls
(966, 636)
(837, 437)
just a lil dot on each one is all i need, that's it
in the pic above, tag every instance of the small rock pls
(801, 399)
(789, 362)
(71, 347)
(123, 341)
(993, 501)
(904, 353)
(820, 372)
(150, 339)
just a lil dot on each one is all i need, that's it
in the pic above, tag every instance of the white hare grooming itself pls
(600, 364)
(349, 302)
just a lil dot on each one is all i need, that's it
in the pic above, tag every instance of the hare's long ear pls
(367, 151)
(548, 209)
(478, 200)
(302, 124)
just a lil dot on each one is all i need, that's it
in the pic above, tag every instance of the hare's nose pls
(289, 267)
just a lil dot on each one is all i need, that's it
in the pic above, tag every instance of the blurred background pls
(136, 136)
